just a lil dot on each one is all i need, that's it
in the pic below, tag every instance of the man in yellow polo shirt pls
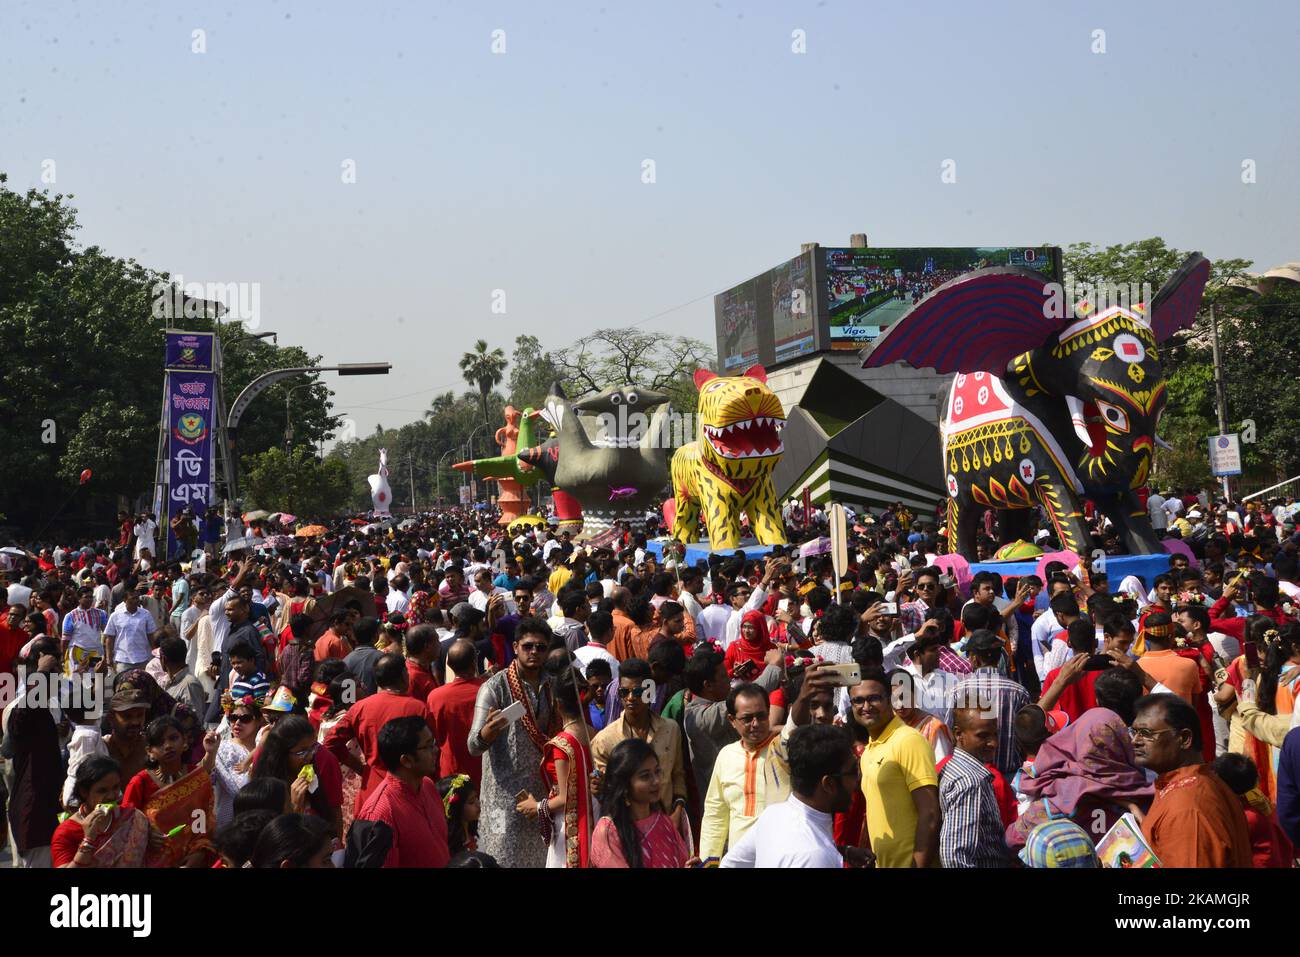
(898, 780)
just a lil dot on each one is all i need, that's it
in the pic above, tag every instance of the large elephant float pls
(1050, 405)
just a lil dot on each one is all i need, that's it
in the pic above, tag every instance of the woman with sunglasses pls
(288, 752)
(634, 831)
(235, 755)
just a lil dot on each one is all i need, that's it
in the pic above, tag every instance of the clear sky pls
(522, 171)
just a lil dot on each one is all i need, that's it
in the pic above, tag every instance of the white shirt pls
(932, 693)
(789, 834)
(131, 634)
(144, 537)
(397, 601)
(1225, 646)
(1040, 636)
(479, 599)
(589, 653)
(1156, 510)
(712, 622)
(220, 624)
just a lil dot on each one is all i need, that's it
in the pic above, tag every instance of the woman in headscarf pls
(1086, 772)
(752, 645)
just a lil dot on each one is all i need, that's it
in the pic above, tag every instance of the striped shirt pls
(971, 835)
(1001, 697)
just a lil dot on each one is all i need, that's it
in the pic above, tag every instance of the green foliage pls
(296, 482)
(632, 356)
(484, 368)
(84, 353)
(531, 373)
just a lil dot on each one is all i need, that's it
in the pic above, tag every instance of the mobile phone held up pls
(1251, 650)
(846, 675)
(1098, 663)
(514, 712)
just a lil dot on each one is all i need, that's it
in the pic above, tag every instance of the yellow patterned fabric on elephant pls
(727, 470)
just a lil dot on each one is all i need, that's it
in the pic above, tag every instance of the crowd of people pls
(446, 692)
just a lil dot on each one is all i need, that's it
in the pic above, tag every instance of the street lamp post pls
(264, 382)
(437, 473)
(469, 448)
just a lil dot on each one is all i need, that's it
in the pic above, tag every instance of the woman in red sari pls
(635, 831)
(567, 819)
(169, 792)
(100, 833)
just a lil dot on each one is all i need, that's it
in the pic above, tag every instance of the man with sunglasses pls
(1195, 819)
(636, 691)
(512, 749)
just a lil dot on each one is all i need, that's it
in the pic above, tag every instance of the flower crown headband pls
(454, 796)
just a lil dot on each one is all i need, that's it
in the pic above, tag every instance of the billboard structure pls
(832, 299)
(192, 416)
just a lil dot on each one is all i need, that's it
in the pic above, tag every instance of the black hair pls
(746, 688)
(172, 650)
(156, 732)
(637, 668)
(1114, 622)
(600, 624)
(1063, 604)
(839, 623)
(1277, 652)
(1237, 771)
(1180, 715)
(237, 839)
(1081, 636)
(292, 839)
(624, 761)
(299, 625)
(816, 751)
(530, 625)
(366, 631)
(1030, 728)
(473, 859)
(700, 668)
(601, 667)
(1118, 689)
(571, 599)
(262, 794)
(90, 772)
(398, 737)
(241, 649)
(390, 670)
(868, 652)
(976, 616)
(458, 829)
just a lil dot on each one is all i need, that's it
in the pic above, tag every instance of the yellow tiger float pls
(728, 468)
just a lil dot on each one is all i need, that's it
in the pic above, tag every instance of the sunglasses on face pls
(529, 646)
(629, 692)
(241, 718)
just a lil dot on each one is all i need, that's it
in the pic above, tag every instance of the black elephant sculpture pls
(1050, 405)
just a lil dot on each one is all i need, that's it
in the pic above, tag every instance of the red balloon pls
(85, 476)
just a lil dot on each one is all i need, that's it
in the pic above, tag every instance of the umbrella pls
(359, 521)
(311, 531)
(18, 552)
(284, 518)
(407, 523)
(524, 520)
(956, 566)
(279, 541)
(238, 544)
(1070, 559)
(818, 546)
(255, 515)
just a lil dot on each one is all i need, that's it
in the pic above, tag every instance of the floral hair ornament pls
(1272, 637)
(454, 796)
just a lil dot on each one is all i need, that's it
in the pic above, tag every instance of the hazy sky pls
(522, 171)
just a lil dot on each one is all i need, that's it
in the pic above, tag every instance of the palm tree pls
(483, 369)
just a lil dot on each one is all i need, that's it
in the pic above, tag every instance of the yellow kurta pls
(743, 784)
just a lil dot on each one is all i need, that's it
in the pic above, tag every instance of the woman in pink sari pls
(635, 831)
(566, 819)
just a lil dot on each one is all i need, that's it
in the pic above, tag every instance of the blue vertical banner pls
(191, 418)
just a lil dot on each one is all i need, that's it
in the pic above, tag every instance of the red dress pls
(1202, 701)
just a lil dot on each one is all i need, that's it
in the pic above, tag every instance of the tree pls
(630, 356)
(532, 370)
(84, 372)
(484, 369)
(296, 482)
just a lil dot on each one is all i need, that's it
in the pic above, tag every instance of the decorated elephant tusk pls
(1162, 444)
(1077, 417)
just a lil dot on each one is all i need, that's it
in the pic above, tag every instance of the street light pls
(469, 448)
(264, 382)
(437, 472)
(288, 421)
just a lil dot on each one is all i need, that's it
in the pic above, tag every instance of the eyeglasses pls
(926, 586)
(1146, 734)
(241, 718)
(530, 646)
(305, 753)
(861, 700)
(750, 718)
(629, 692)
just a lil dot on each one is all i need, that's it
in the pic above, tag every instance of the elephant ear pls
(1175, 305)
(977, 322)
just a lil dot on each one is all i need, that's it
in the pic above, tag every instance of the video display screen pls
(736, 315)
(869, 289)
(794, 308)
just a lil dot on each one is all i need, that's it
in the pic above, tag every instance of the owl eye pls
(616, 399)
(632, 398)
(1115, 417)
